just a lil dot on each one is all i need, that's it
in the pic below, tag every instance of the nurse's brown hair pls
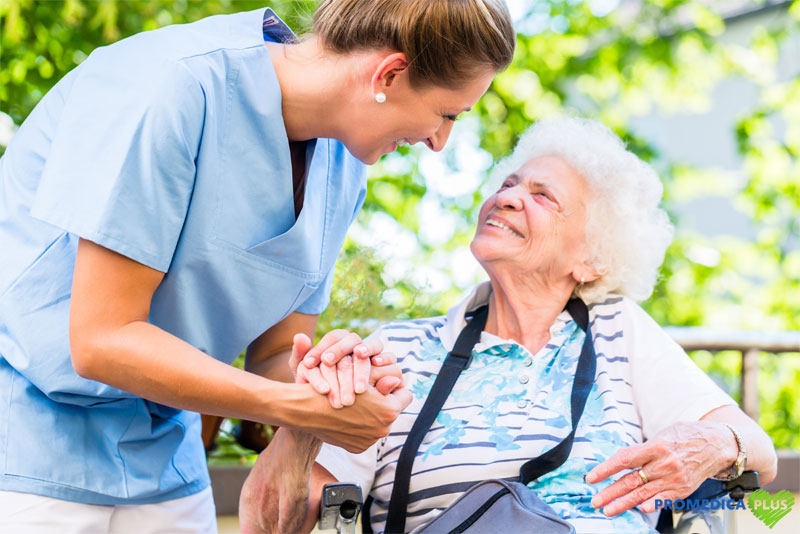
(447, 42)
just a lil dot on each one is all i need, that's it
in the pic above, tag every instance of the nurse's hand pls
(355, 427)
(350, 374)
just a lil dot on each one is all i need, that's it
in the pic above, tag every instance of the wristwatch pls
(740, 463)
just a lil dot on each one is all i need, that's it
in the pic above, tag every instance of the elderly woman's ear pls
(583, 274)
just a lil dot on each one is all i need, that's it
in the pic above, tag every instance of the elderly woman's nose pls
(509, 198)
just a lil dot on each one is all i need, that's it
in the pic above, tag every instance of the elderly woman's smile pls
(497, 222)
(536, 218)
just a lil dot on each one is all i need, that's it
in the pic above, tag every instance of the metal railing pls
(749, 343)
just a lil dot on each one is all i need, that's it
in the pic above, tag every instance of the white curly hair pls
(627, 233)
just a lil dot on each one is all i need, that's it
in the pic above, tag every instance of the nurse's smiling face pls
(411, 116)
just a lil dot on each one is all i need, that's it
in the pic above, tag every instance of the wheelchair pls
(341, 504)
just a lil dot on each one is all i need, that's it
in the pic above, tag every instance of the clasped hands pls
(342, 365)
(274, 497)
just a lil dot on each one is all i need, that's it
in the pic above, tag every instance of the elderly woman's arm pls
(761, 455)
(679, 458)
(282, 492)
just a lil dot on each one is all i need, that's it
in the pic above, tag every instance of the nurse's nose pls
(439, 139)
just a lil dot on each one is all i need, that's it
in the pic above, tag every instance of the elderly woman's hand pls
(341, 365)
(673, 463)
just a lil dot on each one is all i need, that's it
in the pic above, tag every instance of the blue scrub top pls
(168, 147)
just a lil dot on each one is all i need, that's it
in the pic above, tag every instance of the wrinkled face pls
(535, 223)
(411, 116)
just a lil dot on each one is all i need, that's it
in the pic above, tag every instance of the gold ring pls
(642, 476)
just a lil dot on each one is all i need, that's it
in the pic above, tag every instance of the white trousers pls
(25, 513)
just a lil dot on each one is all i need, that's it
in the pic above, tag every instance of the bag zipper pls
(479, 512)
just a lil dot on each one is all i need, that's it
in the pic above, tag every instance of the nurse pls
(182, 195)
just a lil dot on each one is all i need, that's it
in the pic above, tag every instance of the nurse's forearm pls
(147, 361)
(111, 341)
(268, 355)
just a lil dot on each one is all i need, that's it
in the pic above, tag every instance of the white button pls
(527, 362)
(523, 379)
(522, 403)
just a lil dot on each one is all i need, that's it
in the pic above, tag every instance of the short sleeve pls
(121, 166)
(348, 467)
(319, 299)
(667, 385)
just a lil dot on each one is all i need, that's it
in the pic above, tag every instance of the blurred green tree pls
(42, 41)
(608, 62)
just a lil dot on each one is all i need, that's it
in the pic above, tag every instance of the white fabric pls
(647, 378)
(26, 513)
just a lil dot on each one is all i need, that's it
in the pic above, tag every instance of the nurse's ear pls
(388, 71)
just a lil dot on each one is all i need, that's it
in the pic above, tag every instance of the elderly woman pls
(576, 216)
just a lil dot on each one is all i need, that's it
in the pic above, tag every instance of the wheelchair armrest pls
(708, 490)
(339, 506)
(747, 483)
(736, 488)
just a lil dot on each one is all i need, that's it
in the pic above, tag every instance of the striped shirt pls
(511, 406)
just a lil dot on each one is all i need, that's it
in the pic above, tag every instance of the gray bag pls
(492, 505)
(498, 506)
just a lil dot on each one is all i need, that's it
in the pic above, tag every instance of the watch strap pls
(740, 463)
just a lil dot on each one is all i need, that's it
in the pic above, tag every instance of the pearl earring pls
(380, 98)
(581, 280)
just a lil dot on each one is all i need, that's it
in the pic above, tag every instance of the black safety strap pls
(581, 386)
(457, 360)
